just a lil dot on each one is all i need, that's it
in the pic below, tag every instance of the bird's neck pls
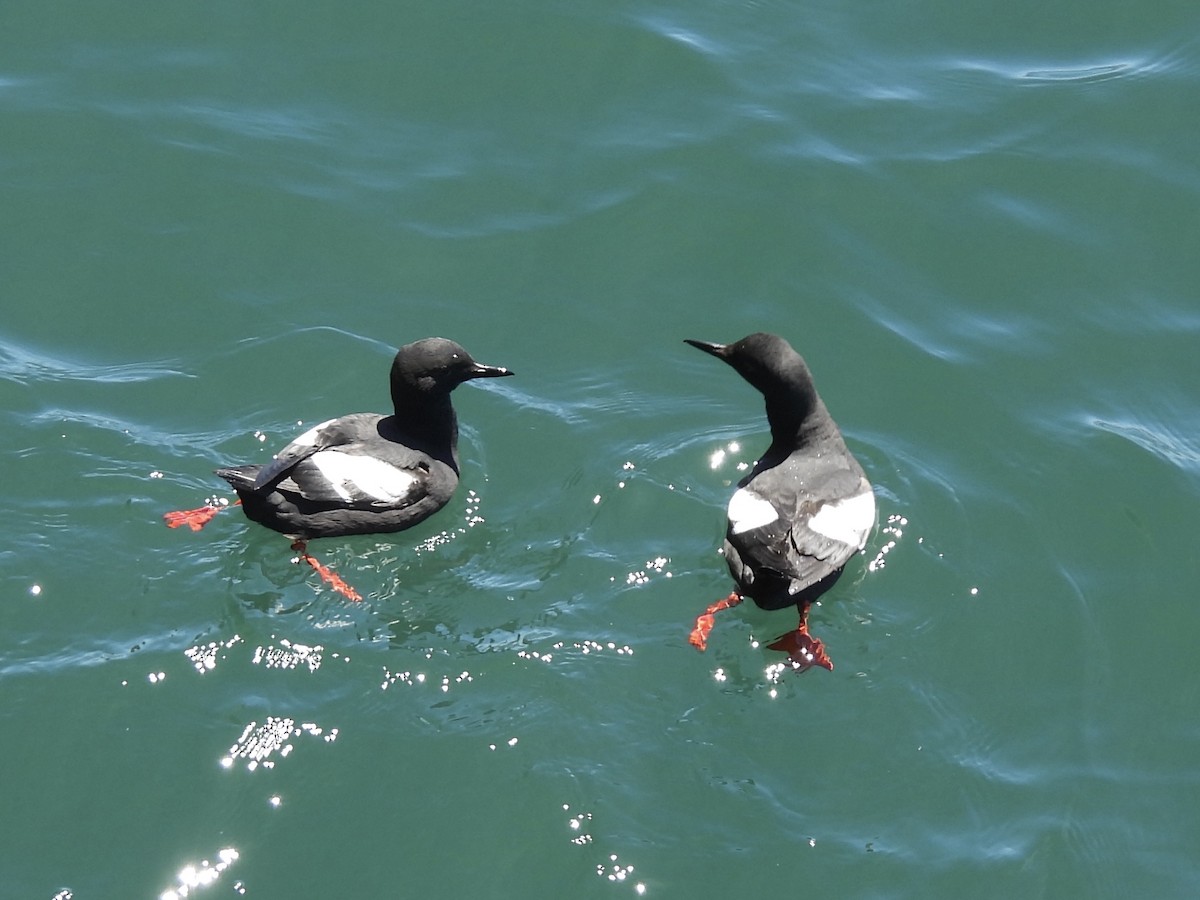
(795, 426)
(428, 423)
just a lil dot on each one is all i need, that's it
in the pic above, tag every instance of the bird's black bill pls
(718, 350)
(479, 370)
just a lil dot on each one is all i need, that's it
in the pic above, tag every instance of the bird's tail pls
(240, 477)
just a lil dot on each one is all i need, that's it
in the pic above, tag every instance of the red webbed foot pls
(705, 621)
(804, 651)
(327, 574)
(194, 519)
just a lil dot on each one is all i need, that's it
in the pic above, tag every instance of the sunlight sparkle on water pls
(628, 466)
(587, 648)
(192, 877)
(576, 824)
(895, 529)
(616, 872)
(579, 824)
(205, 656)
(642, 576)
(288, 656)
(775, 671)
(412, 679)
(459, 679)
(722, 455)
(471, 518)
(259, 743)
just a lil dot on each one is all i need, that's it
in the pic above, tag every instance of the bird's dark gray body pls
(368, 473)
(806, 507)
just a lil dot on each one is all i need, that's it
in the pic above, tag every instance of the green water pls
(978, 224)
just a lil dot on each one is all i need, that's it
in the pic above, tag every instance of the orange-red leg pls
(704, 622)
(804, 651)
(327, 574)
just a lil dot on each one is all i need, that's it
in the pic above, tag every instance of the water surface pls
(979, 227)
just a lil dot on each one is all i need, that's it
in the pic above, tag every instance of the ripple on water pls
(23, 364)
(1164, 425)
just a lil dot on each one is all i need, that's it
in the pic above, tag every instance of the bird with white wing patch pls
(804, 509)
(364, 473)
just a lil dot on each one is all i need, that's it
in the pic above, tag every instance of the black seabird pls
(364, 473)
(804, 509)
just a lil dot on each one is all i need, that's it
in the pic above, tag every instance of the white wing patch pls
(355, 477)
(309, 438)
(848, 521)
(747, 510)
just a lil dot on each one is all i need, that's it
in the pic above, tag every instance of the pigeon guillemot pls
(364, 473)
(804, 509)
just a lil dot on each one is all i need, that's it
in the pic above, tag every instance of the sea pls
(978, 223)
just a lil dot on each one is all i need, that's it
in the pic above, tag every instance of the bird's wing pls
(340, 432)
(834, 527)
(342, 477)
(818, 526)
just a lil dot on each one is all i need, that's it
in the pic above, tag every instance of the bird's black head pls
(767, 361)
(435, 366)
